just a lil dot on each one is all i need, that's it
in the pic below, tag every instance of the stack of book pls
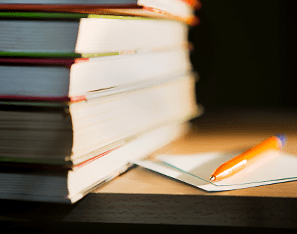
(82, 94)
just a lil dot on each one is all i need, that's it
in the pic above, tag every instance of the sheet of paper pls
(196, 169)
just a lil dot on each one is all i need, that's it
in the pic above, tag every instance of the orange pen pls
(248, 158)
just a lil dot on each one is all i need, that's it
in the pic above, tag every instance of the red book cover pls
(38, 61)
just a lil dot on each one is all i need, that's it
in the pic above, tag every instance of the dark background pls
(245, 54)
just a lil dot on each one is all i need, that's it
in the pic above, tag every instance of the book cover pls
(76, 35)
(68, 131)
(77, 79)
(178, 10)
(44, 62)
(54, 184)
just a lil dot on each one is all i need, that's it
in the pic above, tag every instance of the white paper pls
(196, 169)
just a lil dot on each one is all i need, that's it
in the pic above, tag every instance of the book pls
(70, 185)
(66, 79)
(84, 35)
(70, 133)
(182, 10)
(87, 88)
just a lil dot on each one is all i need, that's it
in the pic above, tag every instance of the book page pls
(196, 169)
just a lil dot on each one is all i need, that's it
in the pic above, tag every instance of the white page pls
(196, 169)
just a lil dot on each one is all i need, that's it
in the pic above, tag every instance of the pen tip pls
(213, 178)
(282, 138)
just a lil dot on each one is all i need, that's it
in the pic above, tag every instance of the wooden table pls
(139, 198)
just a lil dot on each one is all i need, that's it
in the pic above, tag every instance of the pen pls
(248, 158)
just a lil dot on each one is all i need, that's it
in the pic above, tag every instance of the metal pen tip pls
(213, 178)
